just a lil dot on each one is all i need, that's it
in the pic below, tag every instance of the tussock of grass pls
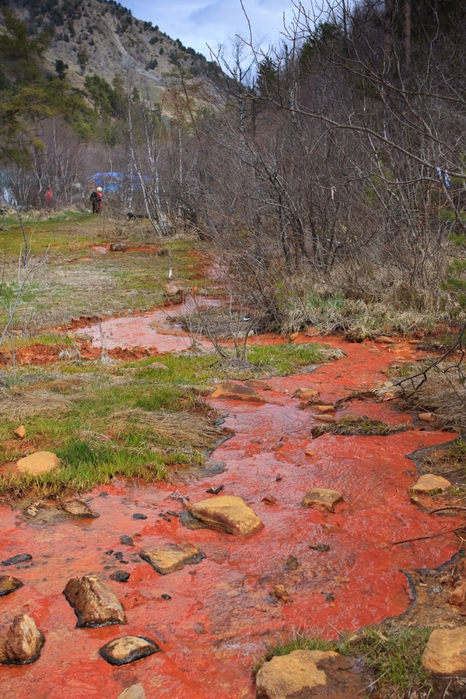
(393, 655)
(366, 426)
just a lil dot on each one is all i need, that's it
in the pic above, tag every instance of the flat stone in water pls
(322, 497)
(95, 604)
(174, 557)
(78, 508)
(227, 513)
(9, 584)
(127, 649)
(15, 560)
(120, 576)
(296, 672)
(126, 540)
(237, 391)
(134, 692)
(138, 515)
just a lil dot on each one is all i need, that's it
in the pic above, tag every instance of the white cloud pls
(199, 22)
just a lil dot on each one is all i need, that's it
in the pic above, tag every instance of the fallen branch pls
(449, 507)
(430, 536)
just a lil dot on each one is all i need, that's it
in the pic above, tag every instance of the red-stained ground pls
(221, 615)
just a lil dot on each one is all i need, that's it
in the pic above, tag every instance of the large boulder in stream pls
(227, 513)
(237, 391)
(95, 604)
(23, 642)
(171, 558)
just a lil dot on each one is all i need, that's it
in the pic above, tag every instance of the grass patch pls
(366, 426)
(393, 655)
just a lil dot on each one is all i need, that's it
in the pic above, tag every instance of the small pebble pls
(215, 491)
(109, 552)
(118, 555)
(120, 576)
(138, 515)
(126, 540)
(166, 597)
(103, 495)
(171, 513)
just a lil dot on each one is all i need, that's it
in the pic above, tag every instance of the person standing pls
(96, 200)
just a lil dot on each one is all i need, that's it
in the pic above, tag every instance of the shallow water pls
(221, 615)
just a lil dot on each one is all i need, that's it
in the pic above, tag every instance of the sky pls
(200, 22)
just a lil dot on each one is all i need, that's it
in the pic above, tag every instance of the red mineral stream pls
(220, 615)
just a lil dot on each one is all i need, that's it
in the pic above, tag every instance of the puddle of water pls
(221, 614)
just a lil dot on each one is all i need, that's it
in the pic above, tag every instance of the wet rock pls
(165, 596)
(324, 418)
(127, 649)
(287, 675)
(138, 515)
(306, 394)
(215, 491)
(191, 522)
(458, 596)
(227, 513)
(426, 417)
(259, 384)
(269, 500)
(16, 560)
(322, 498)
(237, 391)
(20, 432)
(120, 576)
(9, 584)
(40, 462)
(280, 592)
(172, 558)
(78, 508)
(349, 419)
(95, 604)
(319, 547)
(292, 563)
(429, 483)
(126, 540)
(134, 692)
(445, 652)
(325, 409)
(23, 642)
(310, 452)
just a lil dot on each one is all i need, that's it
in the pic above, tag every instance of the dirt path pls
(220, 613)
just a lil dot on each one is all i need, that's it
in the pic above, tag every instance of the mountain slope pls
(102, 37)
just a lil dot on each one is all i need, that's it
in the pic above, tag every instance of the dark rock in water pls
(103, 495)
(128, 649)
(109, 552)
(138, 515)
(23, 642)
(78, 508)
(126, 540)
(118, 555)
(166, 596)
(319, 547)
(171, 513)
(120, 576)
(292, 563)
(95, 604)
(9, 584)
(215, 491)
(213, 468)
(172, 558)
(20, 558)
(191, 522)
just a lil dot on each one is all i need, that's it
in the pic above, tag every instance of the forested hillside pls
(331, 180)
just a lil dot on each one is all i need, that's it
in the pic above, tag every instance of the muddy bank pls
(211, 619)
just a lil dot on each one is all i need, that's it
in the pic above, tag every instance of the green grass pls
(131, 420)
(394, 656)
